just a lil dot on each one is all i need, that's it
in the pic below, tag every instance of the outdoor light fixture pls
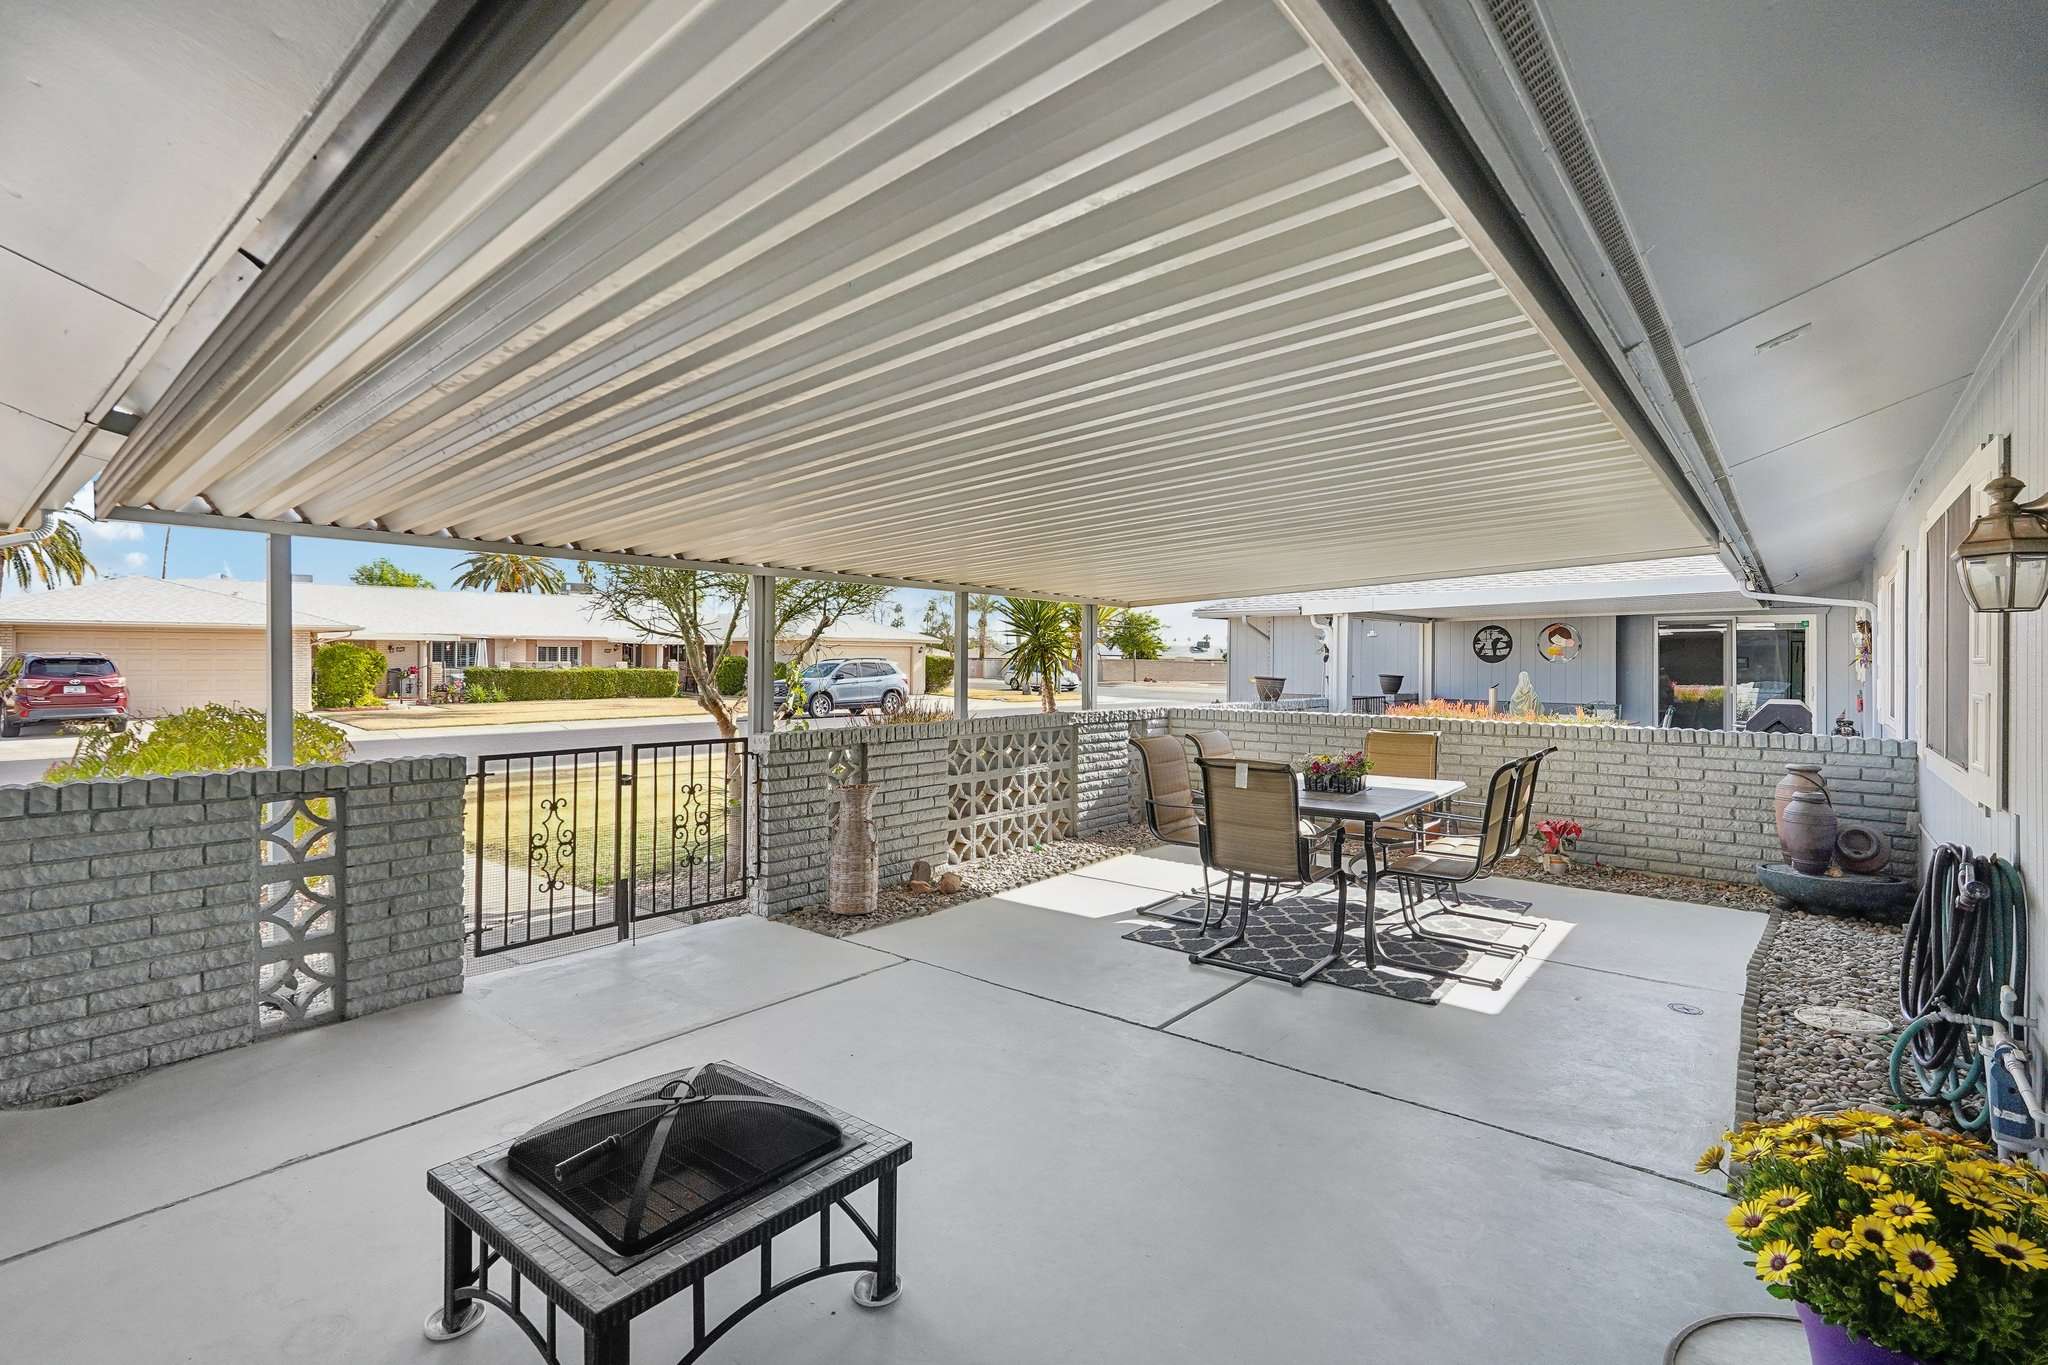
(2003, 561)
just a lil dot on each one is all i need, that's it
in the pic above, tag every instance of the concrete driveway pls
(1119, 1157)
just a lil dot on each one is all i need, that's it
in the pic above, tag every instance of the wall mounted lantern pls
(2003, 561)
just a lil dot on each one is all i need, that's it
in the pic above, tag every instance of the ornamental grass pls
(1919, 1240)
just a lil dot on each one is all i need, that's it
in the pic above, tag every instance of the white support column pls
(959, 656)
(1088, 669)
(760, 655)
(277, 641)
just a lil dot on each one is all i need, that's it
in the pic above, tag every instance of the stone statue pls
(1525, 704)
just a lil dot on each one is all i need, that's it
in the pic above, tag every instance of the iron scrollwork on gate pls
(551, 848)
(301, 930)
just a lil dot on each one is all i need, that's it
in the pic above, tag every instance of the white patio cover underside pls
(1122, 300)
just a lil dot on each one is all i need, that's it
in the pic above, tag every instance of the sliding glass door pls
(1743, 673)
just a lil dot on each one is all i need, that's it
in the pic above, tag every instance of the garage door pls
(167, 670)
(899, 655)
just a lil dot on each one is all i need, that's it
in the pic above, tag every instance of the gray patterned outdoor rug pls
(1291, 933)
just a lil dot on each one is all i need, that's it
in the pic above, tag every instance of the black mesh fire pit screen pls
(646, 1163)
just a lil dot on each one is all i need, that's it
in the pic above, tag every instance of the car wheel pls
(9, 727)
(892, 702)
(118, 724)
(820, 705)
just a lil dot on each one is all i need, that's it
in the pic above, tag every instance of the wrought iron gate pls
(572, 841)
(690, 802)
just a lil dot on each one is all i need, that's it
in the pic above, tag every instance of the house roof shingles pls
(154, 602)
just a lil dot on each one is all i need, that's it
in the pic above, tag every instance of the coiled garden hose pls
(1965, 944)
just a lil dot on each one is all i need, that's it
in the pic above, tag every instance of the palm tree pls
(57, 556)
(1041, 642)
(981, 605)
(511, 573)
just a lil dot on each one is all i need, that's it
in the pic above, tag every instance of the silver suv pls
(855, 684)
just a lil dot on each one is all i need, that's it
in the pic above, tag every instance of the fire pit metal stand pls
(485, 1224)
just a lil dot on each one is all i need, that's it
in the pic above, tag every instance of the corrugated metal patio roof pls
(1100, 299)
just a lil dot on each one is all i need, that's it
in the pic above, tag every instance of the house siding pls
(173, 668)
(2009, 396)
(1587, 680)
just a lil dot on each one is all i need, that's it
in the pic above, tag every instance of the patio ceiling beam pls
(213, 521)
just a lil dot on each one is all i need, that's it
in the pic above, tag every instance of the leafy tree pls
(897, 619)
(57, 557)
(345, 674)
(511, 573)
(1135, 635)
(382, 573)
(938, 623)
(817, 604)
(1041, 642)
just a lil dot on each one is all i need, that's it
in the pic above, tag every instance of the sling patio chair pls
(1403, 753)
(1252, 832)
(1170, 811)
(1446, 862)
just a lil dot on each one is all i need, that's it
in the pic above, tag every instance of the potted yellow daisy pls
(1898, 1244)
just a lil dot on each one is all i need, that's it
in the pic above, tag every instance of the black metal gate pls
(690, 802)
(572, 841)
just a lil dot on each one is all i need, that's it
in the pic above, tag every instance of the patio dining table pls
(1380, 799)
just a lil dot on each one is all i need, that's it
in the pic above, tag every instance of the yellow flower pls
(1977, 1196)
(1785, 1199)
(1750, 1218)
(1749, 1149)
(1910, 1156)
(1801, 1123)
(1710, 1159)
(2010, 1248)
(1902, 1209)
(1869, 1177)
(1777, 1262)
(1911, 1298)
(1871, 1232)
(1836, 1244)
(1916, 1259)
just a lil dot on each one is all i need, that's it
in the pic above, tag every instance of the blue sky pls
(121, 547)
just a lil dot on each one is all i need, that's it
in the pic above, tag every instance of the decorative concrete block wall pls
(1695, 803)
(144, 921)
(948, 792)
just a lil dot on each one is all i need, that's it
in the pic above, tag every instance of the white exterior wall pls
(2009, 395)
(1587, 679)
(174, 668)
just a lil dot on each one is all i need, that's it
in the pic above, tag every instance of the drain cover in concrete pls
(1741, 1339)
(1840, 1019)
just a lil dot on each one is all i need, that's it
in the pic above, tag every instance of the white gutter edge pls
(53, 517)
(1857, 602)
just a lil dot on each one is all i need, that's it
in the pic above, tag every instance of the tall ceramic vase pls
(1807, 830)
(855, 873)
(1799, 777)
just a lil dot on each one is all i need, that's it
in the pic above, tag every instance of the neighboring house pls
(179, 644)
(1658, 642)
(184, 642)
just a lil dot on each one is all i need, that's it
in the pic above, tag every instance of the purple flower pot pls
(1832, 1345)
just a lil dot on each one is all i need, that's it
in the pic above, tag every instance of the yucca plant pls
(1041, 642)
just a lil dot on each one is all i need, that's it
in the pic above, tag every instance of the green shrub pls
(205, 739)
(480, 693)
(567, 684)
(729, 674)
(346, 675)
(938, 672)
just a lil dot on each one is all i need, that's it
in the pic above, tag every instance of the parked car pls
(855, 684)
(1067, 681)
(54, 687)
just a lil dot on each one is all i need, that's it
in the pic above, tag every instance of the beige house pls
(184, 642)
(179, 644)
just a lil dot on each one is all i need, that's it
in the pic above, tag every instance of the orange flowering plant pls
(1918, 1240)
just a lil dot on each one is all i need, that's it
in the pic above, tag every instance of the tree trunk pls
(1048, 696)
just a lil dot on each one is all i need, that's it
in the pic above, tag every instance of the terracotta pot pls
(1832, 1345)
(1556, 862)
(1862, 849)
(1799, 777)
(855, 871)
(1807, 830)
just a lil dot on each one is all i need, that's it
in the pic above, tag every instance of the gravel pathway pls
(988, 877)
(1627, 882)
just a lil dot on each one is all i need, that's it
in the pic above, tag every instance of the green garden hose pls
(1965, 945)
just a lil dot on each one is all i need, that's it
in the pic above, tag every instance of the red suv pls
(40, 687)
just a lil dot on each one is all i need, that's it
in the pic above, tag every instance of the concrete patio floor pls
(1119, 1156)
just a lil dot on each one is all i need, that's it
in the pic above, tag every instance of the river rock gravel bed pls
(986, 877)
(1824, 960)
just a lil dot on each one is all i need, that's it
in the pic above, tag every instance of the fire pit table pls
(627, 1201)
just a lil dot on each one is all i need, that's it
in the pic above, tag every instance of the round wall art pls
(1492, 643)
(1558, 643)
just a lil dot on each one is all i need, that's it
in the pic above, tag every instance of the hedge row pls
(938, 672)
(567, 684)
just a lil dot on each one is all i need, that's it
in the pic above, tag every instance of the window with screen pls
(559, 654)
(455, 653)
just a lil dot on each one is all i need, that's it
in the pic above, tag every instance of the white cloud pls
(104, 531)
(135, 559)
